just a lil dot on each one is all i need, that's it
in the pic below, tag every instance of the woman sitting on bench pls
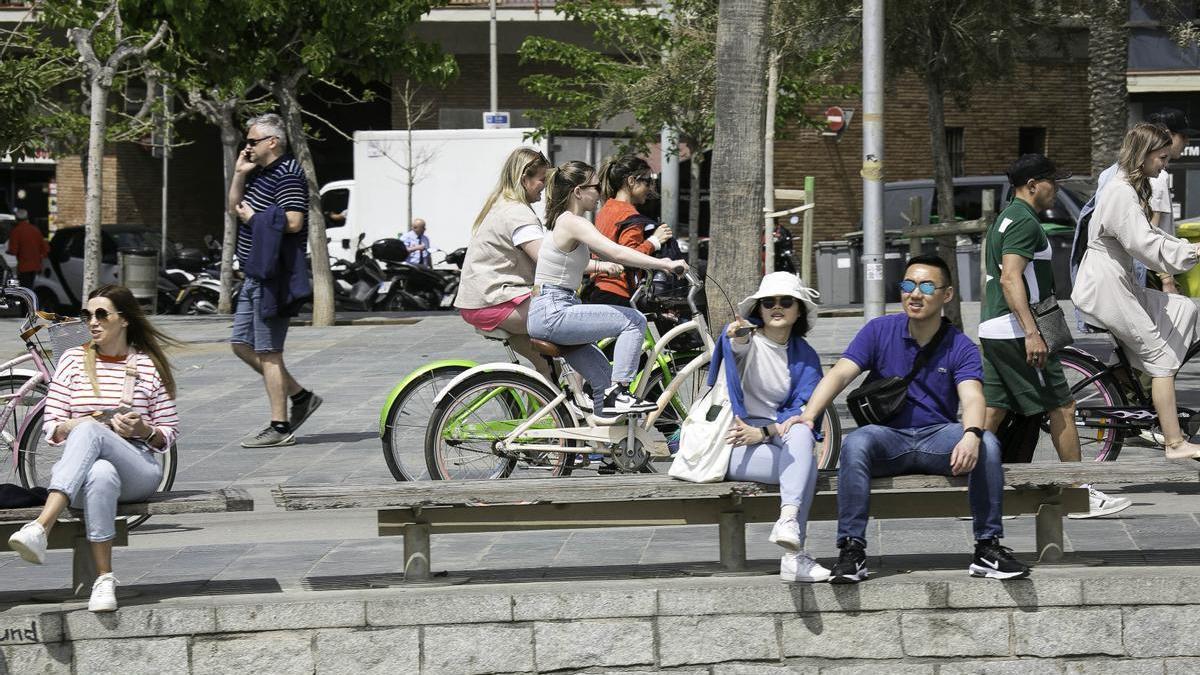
(772, 374)
(556, 314)
(112, 403)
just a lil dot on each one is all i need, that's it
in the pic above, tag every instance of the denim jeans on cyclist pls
(557, 315)
(98, 469)
(875, 451)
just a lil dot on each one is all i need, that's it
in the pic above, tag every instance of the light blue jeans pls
(788, 462)
(558, 316)
(97, 470)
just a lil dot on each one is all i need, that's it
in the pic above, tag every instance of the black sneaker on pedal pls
(994, 561)
(851, 566)
(617, 401)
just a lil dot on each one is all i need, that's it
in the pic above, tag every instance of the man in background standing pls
(418, 244)
(31, 248)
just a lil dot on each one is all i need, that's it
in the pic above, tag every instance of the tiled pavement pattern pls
(354, 367)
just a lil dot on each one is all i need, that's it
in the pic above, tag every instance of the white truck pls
(455, 170)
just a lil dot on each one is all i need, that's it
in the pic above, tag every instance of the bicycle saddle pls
(547, 348)
(494, 334)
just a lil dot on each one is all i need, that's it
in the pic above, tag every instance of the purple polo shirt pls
(885, 348)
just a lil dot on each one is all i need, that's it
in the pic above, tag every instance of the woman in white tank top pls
(557, 315)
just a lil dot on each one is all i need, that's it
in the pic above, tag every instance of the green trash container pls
(1189, 281)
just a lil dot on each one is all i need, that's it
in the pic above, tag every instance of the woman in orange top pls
(626, 183)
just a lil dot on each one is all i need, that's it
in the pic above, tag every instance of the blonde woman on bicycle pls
(112, 403)
(1155, 329)
(497, 274)
(558, 316)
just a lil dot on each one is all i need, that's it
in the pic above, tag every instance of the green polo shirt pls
(1016, 230)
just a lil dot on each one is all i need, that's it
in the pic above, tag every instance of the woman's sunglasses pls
(785, 302)
(927, 287)
(101, 315)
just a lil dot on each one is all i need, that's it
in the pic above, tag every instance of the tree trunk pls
(229, 151)
(737, 171)
(1108, 43)
(409, 171)
(285, 95)
(697, 166)
(97, 129)
(944, 180)
(769, 162)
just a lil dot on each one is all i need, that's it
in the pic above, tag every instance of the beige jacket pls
(495, 271)
(1154, 328)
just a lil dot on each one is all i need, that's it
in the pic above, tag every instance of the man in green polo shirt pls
(1018, 374)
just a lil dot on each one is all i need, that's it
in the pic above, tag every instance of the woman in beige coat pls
(1155, 329)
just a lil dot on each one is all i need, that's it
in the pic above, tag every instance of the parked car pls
(968, 200)
(60, 284)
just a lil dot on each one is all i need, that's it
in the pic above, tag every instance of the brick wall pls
(133, 187)
(1056, 99)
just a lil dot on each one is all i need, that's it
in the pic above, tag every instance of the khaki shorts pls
(1009, 382)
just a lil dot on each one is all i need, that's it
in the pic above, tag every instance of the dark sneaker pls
(994, 561)
(268, 438)
(851, 566)
(617, 401)
(303, 410)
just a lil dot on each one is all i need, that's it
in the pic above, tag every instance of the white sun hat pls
(779, 284)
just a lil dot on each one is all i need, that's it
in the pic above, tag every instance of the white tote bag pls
(703, 455)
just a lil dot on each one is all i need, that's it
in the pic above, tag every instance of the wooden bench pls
(70, 531)
(415, 510)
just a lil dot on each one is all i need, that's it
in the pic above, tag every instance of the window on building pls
(954, 146)
(1030, 140)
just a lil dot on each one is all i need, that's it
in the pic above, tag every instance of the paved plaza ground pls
(354, 367)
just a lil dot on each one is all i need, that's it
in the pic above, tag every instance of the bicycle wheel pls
(37, 458)
(11, 429)
(671, 418)
(460, 442)
(829, 448)
(407, 419)
(1096, 443)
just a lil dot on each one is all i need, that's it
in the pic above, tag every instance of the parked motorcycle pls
(203, 294)
(415, 287)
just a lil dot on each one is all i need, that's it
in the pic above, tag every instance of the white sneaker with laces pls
(104, 594)
(786, 533)
(1101, 505)
(617, 401)
(30, 542)
(800, 566)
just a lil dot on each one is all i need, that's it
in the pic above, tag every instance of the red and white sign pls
(835, 118)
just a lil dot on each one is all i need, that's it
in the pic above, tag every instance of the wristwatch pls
(974, 430)
(766, 434)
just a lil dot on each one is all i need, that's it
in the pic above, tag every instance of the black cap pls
(1034, 166)
(1174, 120)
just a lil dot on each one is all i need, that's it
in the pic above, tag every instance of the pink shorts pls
(490, 318)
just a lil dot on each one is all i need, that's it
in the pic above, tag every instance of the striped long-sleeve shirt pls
(71, 394)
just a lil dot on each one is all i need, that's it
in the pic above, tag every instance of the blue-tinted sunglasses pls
(927, 287)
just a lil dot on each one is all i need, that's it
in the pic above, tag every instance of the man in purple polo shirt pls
(925, 436)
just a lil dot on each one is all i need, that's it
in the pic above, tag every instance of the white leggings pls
(98, 469)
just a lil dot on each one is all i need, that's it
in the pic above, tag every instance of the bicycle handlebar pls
(13, 291)
(695, 286)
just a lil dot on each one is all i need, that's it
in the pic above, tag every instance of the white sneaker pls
(800, 566)
(786, 533)
(1101, 505)
(617, 401)
(30, 542)
(104, 594)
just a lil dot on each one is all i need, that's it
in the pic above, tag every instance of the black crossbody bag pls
(878, 401)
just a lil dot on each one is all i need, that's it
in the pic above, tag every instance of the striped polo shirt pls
(281, 183)
(71, 394)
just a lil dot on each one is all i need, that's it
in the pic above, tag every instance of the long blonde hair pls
(522, 163)
(140, 334)
(1141, 140)
(560, 184)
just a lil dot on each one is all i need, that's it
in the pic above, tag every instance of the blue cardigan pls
(804, 366)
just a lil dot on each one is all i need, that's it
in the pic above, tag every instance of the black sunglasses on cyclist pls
(101, 315)
(785, 301)
(927, 287)
(589, 185)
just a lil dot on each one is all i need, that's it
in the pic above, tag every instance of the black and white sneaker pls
(851, 566)
(994, 561)
(617, 401)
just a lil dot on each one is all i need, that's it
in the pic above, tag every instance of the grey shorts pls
(249, 326)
